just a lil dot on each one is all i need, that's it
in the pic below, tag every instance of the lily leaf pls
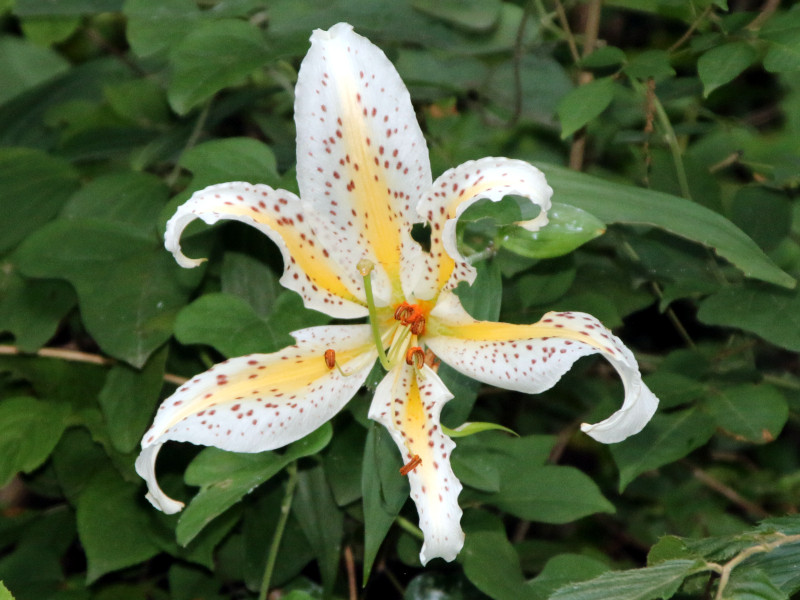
(615, 203)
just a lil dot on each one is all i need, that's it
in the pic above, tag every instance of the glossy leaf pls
(226, 477)
(615, 203)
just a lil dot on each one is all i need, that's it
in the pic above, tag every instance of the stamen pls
(415, 356)
(418, 325)
(330, 362)
(365, 267)
(412, 464)
(330, 358)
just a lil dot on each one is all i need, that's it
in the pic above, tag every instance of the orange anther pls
(403, 310)
(411, 465)
(330, 358)
(415, 356)
(417, 326)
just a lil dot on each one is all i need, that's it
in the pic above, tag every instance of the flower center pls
(412, 316)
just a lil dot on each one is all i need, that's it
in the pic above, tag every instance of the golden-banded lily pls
(364, 179)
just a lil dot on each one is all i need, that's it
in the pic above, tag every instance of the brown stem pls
(716, 485)
(78, 356)
(350, 566)
(591, 27)
(770, 6)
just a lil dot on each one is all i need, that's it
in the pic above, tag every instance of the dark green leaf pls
(771, 313)
(660, 581)
(549, 494)
(650, 63)
(583, 104)
(232, 327)
(29, 430)
(665, 439)
(321, 521)
(212, 56)
(384, 491)
(490, 561)
(33, 187)
(113, 526)
(129, 398)
(226, 477)
(564, 569)
(473, 15)
(231, 159)
(755, 413)
(128, 287)
(615, 203)
(26, 65)
(723, 63)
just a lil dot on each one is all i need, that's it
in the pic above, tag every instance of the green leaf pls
(212, 56)
(138, 199)
(384, 491)
(548, 494)
(564, 569)
(616, 203)
(722, 64)
(128, 287)
(749, 583)
(763, 214)
(605, 56)
(25, 65)
(584, 103)
(113, 526)
(660, 581)
(226, 477)
(29, 431)
(770, 313)
(127, 420)
(471, 428)
(568, 228)
(650, 63)
(231, 159)
(755, 413)
(664, 440)
(321, 521)
(251, 280)
(29, 8)
(32, 309)
(4, 593)
(33, 187)
(490, 561)
(231, 325)
(472, 15)
(154, 28)
(782, 32)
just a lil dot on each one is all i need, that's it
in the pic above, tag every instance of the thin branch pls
(688, 34)
(716, 485)
(78, 356)
(350, 566)
(770, 6)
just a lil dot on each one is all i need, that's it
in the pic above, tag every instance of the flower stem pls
(365, 268)
(409, 527)
(286, 506)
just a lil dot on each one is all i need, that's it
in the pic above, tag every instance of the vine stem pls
(78, 356)
(286, 506)
(669, 136)
(726, 569)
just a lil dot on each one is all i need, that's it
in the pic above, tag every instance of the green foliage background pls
(677, 225)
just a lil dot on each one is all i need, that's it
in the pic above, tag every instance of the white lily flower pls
(364, 179)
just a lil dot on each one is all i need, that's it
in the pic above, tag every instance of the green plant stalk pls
(409, 527)
(671, 138)
(373, 316)
(286, 506)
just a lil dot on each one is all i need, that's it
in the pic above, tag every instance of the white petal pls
(532, 358)
(261, 401)
(361, 158)
(409, 408)
(309, 269)
(453, 192)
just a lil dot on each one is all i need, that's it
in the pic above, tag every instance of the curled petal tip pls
(146, 468)
(636, 412)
